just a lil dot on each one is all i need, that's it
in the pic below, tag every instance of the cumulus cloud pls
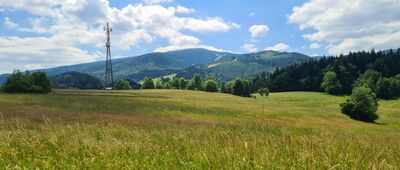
(315, 46)
(181, 9)
(350, 25)
(278, 47)
(9, 24)
(72, 24)
(249, 47)
(258, 30)
(39, 52)
(156, 1)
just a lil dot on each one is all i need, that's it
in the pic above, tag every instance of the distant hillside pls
(75, 80)
(152, 64)
(245, 65)
(186, 63)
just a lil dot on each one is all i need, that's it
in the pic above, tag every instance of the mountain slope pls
(151, 64)
(245, 65)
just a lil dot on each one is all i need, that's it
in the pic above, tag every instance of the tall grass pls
(167, 129)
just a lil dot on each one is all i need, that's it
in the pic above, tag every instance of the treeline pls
(75, 80)
(337, 75)
(237, 87)
(27, 82)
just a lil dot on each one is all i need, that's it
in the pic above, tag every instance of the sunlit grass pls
(172, 129)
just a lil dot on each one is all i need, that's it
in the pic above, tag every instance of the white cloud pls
(9, 24)
(252, 14)
(278, 47)
(350, 25)
(249, 47)
(181, 9)
(39, 52)
(36, 26)
(315, 46)
(156, 1)
(258, 30)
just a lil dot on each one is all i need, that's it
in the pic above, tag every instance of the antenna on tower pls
(108, 78)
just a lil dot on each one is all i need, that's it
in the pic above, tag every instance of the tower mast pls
(108, 78)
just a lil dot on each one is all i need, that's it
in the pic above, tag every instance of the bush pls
(222, 87)
(18, 82)
(362, 105)
(197, 82)
(122, 85)
(159, 85)
(369, 79)
(331, 84)
(264, 92)
(210, 86)
(190, 86)
(182, 83)
(148, 83)
(174, 83)
(241, 88)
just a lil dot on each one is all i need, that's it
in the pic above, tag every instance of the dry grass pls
(173, 129)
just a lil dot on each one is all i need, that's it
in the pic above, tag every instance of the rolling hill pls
(185, 63)
(245, 65)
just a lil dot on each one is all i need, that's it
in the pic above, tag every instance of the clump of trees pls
(26, 82)
(122, 85)
(239, 87)
(148, 83)
(362, 105)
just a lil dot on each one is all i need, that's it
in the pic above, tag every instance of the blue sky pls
(48, 33)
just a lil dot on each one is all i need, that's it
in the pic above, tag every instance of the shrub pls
(241, 88)
(210, 86)
(174, 83)
(182, 83)
(40, 82)
(369, 79)
(362, 105)
(222, 87)
(197, 82)
(331, 84)
(159, 85)
(264, 92)
(148, 83)
(122, 85)
(190, 86)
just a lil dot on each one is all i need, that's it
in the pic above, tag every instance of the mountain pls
(245, 65)
(151, 64)
(186, 62)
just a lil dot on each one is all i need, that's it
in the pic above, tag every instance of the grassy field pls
(174, 129)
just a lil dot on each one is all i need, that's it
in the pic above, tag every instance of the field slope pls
(173, 129)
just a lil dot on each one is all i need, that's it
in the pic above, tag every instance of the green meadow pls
(178, 129)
